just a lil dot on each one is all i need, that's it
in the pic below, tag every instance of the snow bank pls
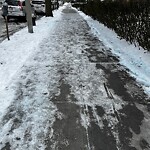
(15, 52)
(135, 59)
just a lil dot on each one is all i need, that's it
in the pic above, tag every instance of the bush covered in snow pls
(130, 19)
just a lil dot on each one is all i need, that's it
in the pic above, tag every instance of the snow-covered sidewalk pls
(14, 53)
(46, 76)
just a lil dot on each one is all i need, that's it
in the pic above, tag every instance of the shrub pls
(129, 19)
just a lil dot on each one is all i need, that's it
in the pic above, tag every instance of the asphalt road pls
(13, 26)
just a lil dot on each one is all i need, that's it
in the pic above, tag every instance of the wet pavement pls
(98, 105)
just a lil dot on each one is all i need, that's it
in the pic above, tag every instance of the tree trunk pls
(48, 8)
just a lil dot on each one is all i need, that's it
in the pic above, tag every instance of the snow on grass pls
(15, 52)
(137, 61)
(30, 115)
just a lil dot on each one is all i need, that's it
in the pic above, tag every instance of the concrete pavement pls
(92, 118)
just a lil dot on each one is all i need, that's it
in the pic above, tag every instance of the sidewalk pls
(73, 94)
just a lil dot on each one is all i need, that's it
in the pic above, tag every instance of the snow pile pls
(67, 8)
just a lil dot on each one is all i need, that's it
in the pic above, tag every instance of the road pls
(13, 26)
(81, 95)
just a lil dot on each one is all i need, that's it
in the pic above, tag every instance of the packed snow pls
(34, 110)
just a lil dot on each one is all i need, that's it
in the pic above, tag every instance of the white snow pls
(15, 52)
(14, 62)
(135, 59)
(34, 113)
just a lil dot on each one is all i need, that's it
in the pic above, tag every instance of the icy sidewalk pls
(51, 94)
(58, 99)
